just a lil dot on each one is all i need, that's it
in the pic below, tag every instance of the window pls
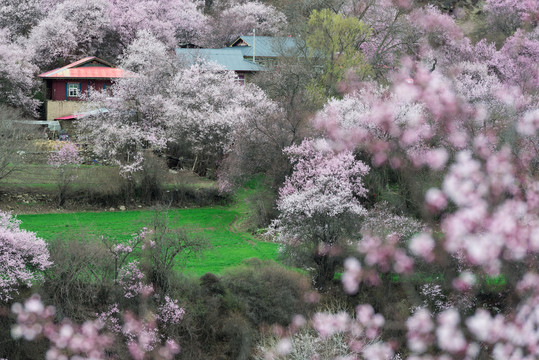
(73, 90)
(240, 78)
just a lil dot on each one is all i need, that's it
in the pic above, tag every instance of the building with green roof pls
(246, 55)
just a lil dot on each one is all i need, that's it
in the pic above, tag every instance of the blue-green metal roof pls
(266, 46)
(229, 58)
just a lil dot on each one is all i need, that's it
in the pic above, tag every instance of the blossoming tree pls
(487, 209)
(319, 206)
(241, 18)
(23, 256)
(476, 129)
(198, 106)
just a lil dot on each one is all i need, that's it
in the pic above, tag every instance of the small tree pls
(320, 207)
(166, 247)
(12, 140)
(65, 160)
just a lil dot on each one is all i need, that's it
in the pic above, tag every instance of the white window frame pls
(73, 89)
(240, 79)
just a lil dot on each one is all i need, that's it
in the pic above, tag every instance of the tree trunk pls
(325, 271)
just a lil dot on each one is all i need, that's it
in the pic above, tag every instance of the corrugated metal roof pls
(99, 69)
(229, 58)
(266, 46)
(83, 114)
(52, 125)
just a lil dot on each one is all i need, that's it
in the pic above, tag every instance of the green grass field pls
(221, 225)
(230, 246)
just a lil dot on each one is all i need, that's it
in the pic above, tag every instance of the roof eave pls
(86, 77)
(75, 64)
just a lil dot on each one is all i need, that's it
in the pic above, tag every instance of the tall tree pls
(171, 21)
(20, 16)
(241, 19)
(71, 30)
(198, 107)
(18, 85)
(336, 40)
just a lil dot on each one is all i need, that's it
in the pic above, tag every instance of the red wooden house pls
(67, 86)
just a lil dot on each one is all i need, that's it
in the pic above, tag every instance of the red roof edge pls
(69, 117)
(74, 64)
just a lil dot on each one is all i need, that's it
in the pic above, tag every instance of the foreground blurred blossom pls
(86, 341)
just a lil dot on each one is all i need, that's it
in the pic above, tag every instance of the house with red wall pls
(67, 87)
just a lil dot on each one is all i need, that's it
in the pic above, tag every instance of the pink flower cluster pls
(169, 312)
(131, 279)
(68, 154)
(141, 336)
(510, 338)
(483, 218)
(385, 253)
(23, 256)
(364, 330)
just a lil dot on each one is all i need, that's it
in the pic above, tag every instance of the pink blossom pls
(131, 279)
(352, 275)
(465, 281)
(423, 245)
(385, 253)
(480, 324)
(435, 200)
(450, 337)
(284, 347)
(22, 257)
(35, 320)
(329, 324)
(169, 312)
(420, 327)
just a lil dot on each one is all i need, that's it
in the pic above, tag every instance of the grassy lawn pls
(220, 225)
(44, 177)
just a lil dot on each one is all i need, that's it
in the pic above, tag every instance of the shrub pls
(264, 209)
(66, 159)
(13, 140)
(268, 292)
(149, 187)
(306, 345)
(77, 281)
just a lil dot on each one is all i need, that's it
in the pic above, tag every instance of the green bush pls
(268, 293)
(149, 182)
(80, 279)
(209, 330)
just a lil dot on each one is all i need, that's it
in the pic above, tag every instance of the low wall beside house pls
(56, 109)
